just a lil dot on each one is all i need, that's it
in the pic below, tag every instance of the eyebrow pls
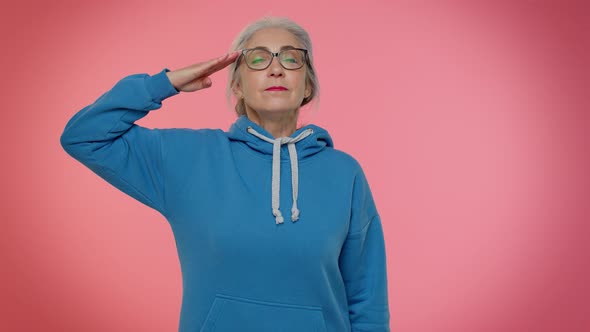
(282, 47)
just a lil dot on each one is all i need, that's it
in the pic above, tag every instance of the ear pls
(237, 90)
(307, 90)
(307, 86)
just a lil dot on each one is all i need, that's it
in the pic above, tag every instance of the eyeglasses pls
(260, 58)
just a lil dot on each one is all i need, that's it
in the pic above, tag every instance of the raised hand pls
(196, 77)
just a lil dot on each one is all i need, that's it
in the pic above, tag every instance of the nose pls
(275, 68)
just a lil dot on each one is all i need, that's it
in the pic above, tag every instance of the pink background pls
(470, 119)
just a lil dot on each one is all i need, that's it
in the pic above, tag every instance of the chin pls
(278, 108)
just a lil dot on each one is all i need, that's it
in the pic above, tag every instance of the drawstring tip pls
(295, 215)
(278, 216)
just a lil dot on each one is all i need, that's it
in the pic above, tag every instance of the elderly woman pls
(275, 229)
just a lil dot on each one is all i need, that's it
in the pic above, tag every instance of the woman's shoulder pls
(343, 159)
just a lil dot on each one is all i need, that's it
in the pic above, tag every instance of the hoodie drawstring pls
(276, 170)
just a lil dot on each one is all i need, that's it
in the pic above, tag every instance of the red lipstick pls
(276, 88)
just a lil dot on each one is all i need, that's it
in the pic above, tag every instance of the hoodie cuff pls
(160, 87)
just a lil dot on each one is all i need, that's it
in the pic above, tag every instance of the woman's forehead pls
(273, 40)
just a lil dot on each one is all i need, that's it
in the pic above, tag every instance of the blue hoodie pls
(272, 234)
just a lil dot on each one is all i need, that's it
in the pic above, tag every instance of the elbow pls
(64, 140)
(67, 142)
(73, 144)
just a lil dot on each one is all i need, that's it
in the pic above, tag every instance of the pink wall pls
(470, 121)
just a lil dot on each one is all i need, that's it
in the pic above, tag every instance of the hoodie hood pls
(304, 142)
(316, 142)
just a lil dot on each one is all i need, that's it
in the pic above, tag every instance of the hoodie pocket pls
(231, 313)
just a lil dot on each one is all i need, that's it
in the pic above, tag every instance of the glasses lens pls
(258, 59)
(292, 59)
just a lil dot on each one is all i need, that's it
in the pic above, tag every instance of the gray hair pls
(273, 22)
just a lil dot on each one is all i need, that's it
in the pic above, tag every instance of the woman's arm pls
(104, 137)
(363, 263)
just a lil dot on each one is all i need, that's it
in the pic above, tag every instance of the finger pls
(219, 63)
(205, 83)
(200, 84)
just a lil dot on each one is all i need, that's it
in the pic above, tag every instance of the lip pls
(276, 88)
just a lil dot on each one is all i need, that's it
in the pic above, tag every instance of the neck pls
(278, 124)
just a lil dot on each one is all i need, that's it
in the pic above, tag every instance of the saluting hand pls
(196, 77)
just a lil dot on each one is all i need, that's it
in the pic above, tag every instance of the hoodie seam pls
(159, 208)
(358, 234)
(163, 174)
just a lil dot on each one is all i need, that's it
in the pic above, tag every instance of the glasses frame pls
(273, 55)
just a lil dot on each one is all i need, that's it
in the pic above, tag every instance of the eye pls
(291, 56)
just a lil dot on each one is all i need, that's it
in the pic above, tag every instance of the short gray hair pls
(273, 22)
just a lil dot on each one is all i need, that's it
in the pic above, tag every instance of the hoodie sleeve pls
(363, 263)
(104, 138)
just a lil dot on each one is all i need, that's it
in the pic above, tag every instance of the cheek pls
(302, 82)
(246, 81)
(252, 84)
(301, 87)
